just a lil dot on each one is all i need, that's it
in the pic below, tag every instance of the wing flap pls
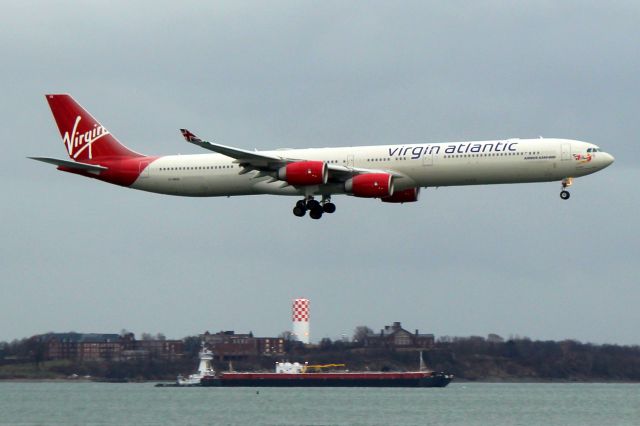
(338, 171)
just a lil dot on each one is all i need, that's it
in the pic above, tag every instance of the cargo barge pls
(303, 375)
(414, 379)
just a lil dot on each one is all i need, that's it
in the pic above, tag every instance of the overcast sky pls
(82, 255)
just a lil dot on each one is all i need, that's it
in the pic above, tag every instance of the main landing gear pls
(566, 182)
(316, 208)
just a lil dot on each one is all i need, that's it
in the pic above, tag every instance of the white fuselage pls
(413, 165)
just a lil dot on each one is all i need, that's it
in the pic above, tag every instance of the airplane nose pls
(607, 160)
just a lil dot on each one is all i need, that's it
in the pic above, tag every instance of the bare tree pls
(360, 333)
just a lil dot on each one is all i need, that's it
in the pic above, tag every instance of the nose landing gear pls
(316, 208)
(566, 182)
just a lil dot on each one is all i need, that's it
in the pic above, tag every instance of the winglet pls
(189, 137)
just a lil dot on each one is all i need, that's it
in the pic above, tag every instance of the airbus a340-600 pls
(392, 173)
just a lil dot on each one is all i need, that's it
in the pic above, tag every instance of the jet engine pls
(405, 196)
(370, 185)
(304, 173)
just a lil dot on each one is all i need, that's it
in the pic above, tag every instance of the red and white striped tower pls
(301, 320)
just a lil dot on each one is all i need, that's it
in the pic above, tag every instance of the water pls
(458, 404)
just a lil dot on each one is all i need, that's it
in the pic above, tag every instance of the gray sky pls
(82, 255)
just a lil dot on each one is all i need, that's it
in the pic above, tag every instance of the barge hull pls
(317, 380)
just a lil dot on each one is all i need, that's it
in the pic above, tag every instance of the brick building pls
(159, 349)
(80, 346)
(96, 346)
(228, 346)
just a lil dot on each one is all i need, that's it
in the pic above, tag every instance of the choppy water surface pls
(458, 404)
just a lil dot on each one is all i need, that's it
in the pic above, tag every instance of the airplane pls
(392, 173)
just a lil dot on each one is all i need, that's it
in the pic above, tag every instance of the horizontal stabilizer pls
(71, 164)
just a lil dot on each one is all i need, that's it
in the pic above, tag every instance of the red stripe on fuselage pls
(120, 171)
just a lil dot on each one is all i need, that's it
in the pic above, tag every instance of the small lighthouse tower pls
(301, 320)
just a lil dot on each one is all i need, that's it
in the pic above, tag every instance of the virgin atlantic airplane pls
(392, 173)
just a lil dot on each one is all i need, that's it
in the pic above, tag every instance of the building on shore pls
(231, 346)
(396, 337)
(101, 346)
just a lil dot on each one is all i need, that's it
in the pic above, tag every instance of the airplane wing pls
(338, 170)
(244, 157)
(257, 161)
(71, 164)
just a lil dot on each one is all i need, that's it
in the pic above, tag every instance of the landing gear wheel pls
(302, 204)
(313, 204)
(298, 211)
(565, 195)
(329, 207)
(316, 213)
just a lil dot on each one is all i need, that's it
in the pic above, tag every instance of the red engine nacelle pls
(304, 173)
(370, 185)
(405, 196)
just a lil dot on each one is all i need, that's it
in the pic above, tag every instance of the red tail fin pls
(85, 139)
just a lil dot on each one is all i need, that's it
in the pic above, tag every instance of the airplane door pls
(566, 152)
(143, 168)
(349, 160)
(427, 159)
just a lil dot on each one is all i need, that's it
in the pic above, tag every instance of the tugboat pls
(205, 370)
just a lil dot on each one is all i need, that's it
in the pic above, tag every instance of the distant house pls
(229, 346)
(494, 338)
(396, 337)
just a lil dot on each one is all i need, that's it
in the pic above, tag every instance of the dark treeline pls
(476, 358)
(470, 358)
